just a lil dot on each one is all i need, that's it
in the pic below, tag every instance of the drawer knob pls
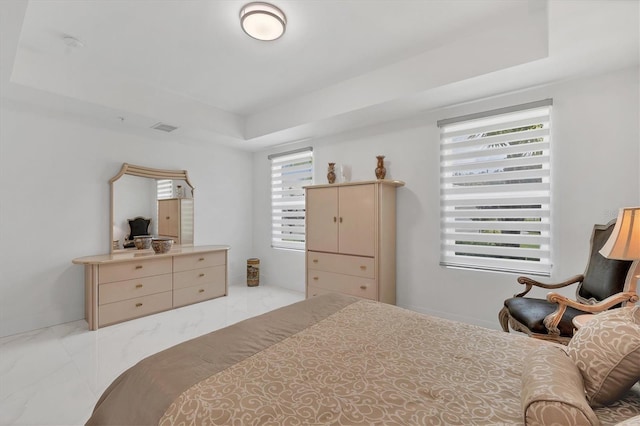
(138, 266)
(340, 219)
(335, 219)
(201, 275)
(363, 267)
(363, 287)
(314, 294)
(168, 217)
(201, 290)
(315, 278)
(201, 259)
(138, 305)
(315, 260)
(138, 285)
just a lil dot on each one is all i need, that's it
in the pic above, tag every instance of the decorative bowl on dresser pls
(161, 245)
(142, 242)
(129, 284)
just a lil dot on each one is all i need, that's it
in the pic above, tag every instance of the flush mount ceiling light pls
(263, 21)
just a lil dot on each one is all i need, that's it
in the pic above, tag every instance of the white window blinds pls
(165, 188)
(289, 173)
(495, 190)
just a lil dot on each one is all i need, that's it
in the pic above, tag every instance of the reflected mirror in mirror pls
(150, 205)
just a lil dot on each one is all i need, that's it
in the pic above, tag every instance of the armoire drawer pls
(146, 267)
(122, 290)
(198, 293)
(134, 308)
(200, 260)
(347, 284)
(215, 274)
(341, 264)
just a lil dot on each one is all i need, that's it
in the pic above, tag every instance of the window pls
(290, 171)
(165, 188)
(495, 190)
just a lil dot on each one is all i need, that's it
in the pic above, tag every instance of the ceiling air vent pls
(164, 127)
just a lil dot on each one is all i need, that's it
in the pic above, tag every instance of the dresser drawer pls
(313, 291)
(215, 274)
(340, 283)
(133, 308)
(198, 293)
(136, 269)
(341, 264)
(122, 290)
(199, 260)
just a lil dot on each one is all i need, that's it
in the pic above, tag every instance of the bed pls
(340, 360)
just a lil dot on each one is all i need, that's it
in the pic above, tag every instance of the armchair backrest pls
(603, 277)
(139, 226)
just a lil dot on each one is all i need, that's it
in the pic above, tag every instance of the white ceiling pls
(340, 64)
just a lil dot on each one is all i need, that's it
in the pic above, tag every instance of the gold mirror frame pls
(146, 172)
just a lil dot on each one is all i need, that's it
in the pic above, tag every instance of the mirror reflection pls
(148, 205)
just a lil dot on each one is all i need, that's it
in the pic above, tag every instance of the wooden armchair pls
(606, 283)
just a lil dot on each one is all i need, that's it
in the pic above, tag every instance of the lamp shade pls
(624, 242)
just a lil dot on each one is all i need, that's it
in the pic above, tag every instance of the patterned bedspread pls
(357, 362)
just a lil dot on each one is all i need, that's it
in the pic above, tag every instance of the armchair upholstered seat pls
(606, 283)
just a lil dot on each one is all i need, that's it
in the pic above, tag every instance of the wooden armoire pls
(351, 239)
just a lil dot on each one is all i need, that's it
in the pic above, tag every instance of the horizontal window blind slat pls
(496, 251)
(287, 221)
(487, 141)
(284, 244)
(449, 132)
(493, 163)
(516, 199)
(499, 176)
(496, 213)
(290, 170)
(534, 149)
(498, 265)
(292, 157)
(494, 226)
(496, 190)
(291, 237)
(278, 193)
(500, 238)
(287, 201)
(287, 229)
(298, 215)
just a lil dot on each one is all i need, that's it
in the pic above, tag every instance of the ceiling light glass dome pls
(263, 21)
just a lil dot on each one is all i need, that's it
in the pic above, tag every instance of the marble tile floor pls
(55, 375)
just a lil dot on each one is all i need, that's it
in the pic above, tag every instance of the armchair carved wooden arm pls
(606, 283)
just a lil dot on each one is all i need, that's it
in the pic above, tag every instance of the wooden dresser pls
(131, 284)
(351, 239)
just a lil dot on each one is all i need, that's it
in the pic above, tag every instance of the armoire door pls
(168, 217)
(357, 220)
(322, 219)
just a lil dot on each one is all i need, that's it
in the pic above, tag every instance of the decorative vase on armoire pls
(331, 173)
(381, 172)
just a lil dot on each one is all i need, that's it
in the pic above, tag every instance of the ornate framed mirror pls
(147, 201)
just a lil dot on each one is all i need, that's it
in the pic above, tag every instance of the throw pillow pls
(606, 350)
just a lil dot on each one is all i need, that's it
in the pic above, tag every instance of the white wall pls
(54, 205)
(595, 171)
